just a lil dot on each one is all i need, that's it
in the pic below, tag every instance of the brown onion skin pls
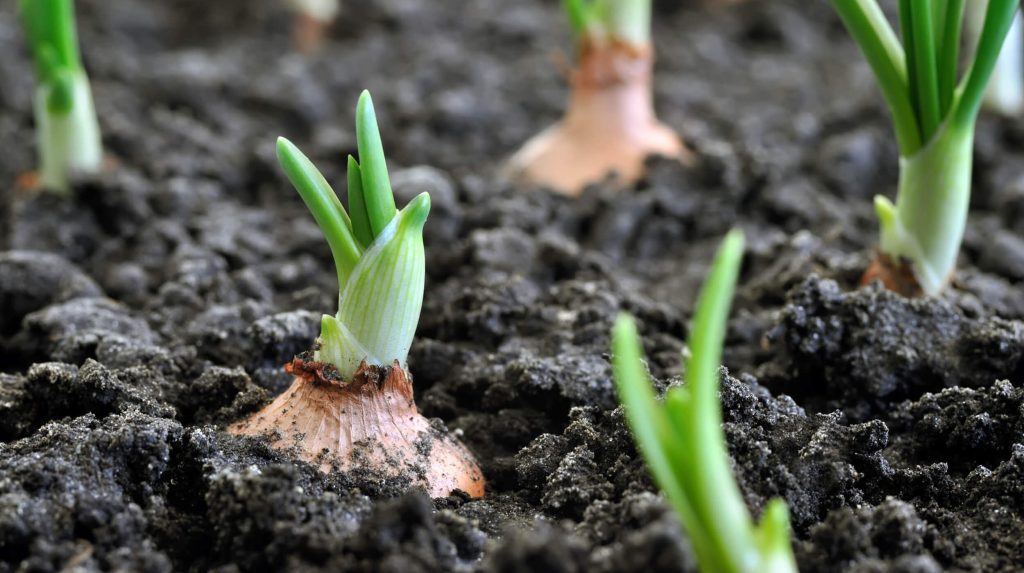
(897, 276)
(367, 423)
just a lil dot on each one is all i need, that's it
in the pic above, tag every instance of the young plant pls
(312, 17)
(610, 125)
(934, 119)
(67, 133)
(682, 441)
(351, 405)
(1005, 93)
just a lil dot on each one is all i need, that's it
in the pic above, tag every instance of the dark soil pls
(141, 318)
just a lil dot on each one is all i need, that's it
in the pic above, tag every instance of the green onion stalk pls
(610, 126)
(682, 441)
(351, 404)
(1005, 93)
(934, 117)
(67, 132)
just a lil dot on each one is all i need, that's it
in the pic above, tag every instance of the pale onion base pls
(312, 18)
(610, 127)
(308, 33)
(926, 225)
(370, 423)
(68, 144)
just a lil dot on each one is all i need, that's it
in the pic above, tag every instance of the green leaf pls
(380, 305)
(377, 194)
(49, 67)
(647, 420)
(872, 32)
(707, 333)
(323, 203)
(683, 443)
(949, 50)
(718, 501)
(923, 54)
(50, 25)
(579, 14)
(773, 538)
(998, 20)
(357, 204)
(907, 35)
(61, 97)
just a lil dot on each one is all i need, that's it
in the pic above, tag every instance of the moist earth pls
(159, 305)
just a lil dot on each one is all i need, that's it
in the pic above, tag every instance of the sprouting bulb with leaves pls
(378, 253)
(350, 405)
(67, 131)
(934, 116)
(610, 126)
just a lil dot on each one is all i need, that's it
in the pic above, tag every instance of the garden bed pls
(142, 317)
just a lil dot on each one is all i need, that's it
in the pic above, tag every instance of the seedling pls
(67, 133)
(312, 17)
(1005, 93)
(934, 119)
(610, 125)
(351, 403)
(682, 441)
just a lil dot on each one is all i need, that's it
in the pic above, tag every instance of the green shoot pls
(682, 441)
(380, 203)
(1005, 93)
(378, 252)
(934, 119)
(68, 134)
(603, 21)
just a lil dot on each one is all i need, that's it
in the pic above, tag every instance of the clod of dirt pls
(964, 427)
(543, 548)
(31, 280)
(99, 480)
(72, 331)
(869, 537)
(861, 350)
